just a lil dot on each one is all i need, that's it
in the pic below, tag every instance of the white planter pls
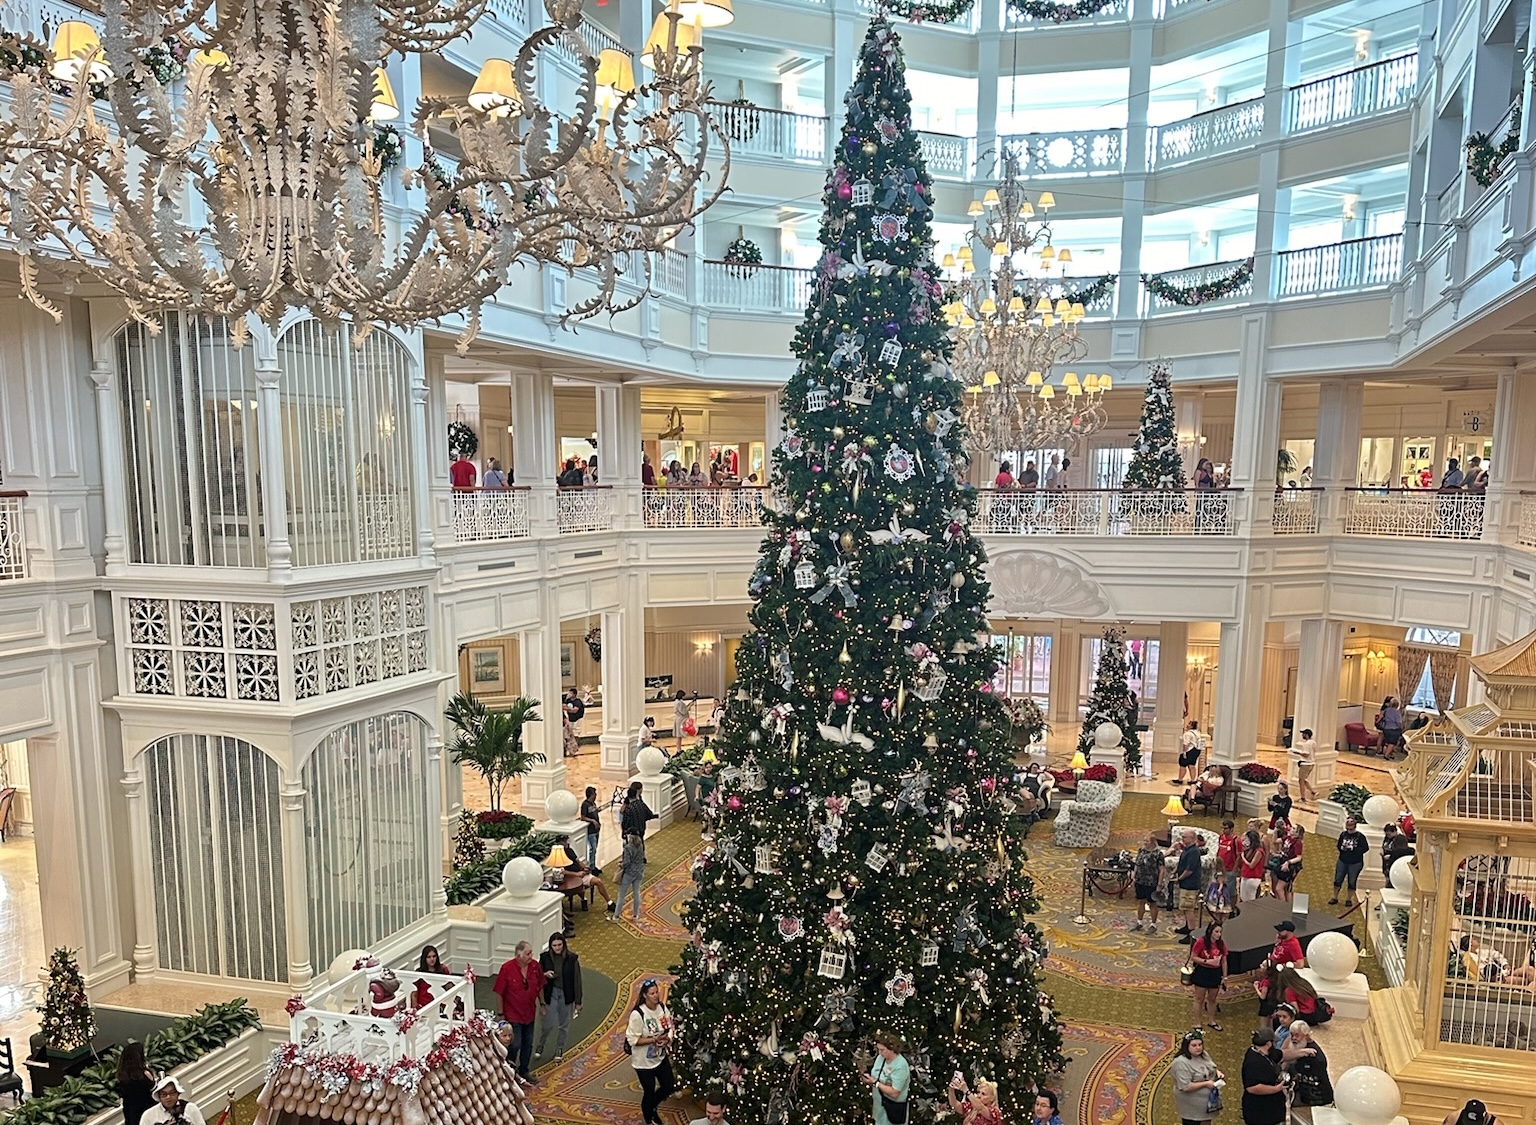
(1330, 818)
(1253, 798)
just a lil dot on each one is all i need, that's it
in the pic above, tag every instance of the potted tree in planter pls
(1255, 786)
(491, 743)
(68, 1024)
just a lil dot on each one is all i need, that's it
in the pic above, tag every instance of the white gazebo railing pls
(1296, 511)
(13, 544)
(776, 133)
(728, 285)
(337, 1020)
(1359, 263)
(588, 508)
(484, 514)
(1106, 511)
(947, 156)
(674, 507)
(1526, 534)
(1413, 513)
(1089, 152)
(1216, 130)
(1382, 86)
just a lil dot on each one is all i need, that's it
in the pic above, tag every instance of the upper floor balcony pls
(13, 544)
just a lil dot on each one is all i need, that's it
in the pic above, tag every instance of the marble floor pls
(22, 952)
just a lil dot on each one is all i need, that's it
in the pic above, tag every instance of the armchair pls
(1084, 822)
(1357, 737)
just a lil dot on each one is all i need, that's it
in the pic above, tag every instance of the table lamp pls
(1175, 811)
(709, 758)
(1078, 762)
(558, 857)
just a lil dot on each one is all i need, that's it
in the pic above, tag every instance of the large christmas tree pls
(1109, 701)
(867, 870)
(1156, 462)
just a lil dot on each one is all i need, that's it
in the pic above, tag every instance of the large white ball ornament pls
(1367, 1096)
(1107, 736)
(1333, 956)
(342, 964)
(1379, 810)
(650, 761)
(522, 876)
(561, 806)
(1402, 874)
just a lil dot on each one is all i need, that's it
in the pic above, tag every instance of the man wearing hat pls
(173, 1106)
(1287, 950)
(1263, 1087)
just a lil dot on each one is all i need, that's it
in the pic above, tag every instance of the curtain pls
(1442, 678)
(1410, 670)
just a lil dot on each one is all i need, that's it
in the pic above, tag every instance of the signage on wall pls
(1472, 422)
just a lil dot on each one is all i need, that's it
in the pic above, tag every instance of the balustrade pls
(669, 273)
(13, 541)
(1106, 511)
(1216, 130)
(587, 508)
(729, 285)
(1359, 263)
(947, 156)
(1412, 513)
(675, 507)
(1118, 11)
(1382, 86)
(1296, 511)
(1196, 276)
(1090, 152)
(776, 133)
(484, 514)
(1526, 534)
(336, 1020)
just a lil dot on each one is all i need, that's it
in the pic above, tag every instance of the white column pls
(114, 501)
(1320, 660)
(842, 62)
(1189, 420)
(540, 650)
(1172, 650)
(773, 426)
(623, 680)
(269, 439)
(618, 452)
(988, 68)
(1276, 70)
(296, 879)
(440, 844)
(533, 447)
(1336, 458)
(1239, 668)
(1255, 430)
(145, 956)
(421, 472)
(1134, 182)
(1514, 458)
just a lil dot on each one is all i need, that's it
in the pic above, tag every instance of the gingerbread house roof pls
(487, 1089)
(1516, 660)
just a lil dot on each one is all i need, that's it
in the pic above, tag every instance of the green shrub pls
(484, 875)
(686, 760)
(502, 825)
(1352, 797)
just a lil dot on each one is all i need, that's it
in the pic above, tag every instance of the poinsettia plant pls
(1258, 774)
(1101, 772)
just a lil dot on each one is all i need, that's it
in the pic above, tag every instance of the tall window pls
(1424, 692)
(1026, 665)
(366, 830)
(346, 445)
(216, 851)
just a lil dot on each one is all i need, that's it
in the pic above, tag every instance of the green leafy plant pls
(686, 760)
(1485, 160)
(1352, 797)
(462, 440)
(1285, 463)
(1188, 296)
(484, 875)
(491, 741)
(502, 825)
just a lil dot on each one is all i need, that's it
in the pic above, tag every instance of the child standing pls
(631, 873)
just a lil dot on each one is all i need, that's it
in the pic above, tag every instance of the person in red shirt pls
(1287, 950)
(1227, 845)
(520, 984)
(462, 472)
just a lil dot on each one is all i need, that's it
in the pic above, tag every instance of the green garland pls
(1044, 10)
(919, 12)
(1484, 160)
(20, 54)
(1188, 296)
(742, 125)
(462, 439)
(743, 256)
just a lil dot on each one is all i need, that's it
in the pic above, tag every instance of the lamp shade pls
(385, 107)
(991, 198)
(558, 857)
(494, 90)
(684, 39)
(77, 48)
(1078, 762)
(948, 262)
(975, 208)
(615, 73)
(705, 13)
(1047, 201)
(1175, 806)
(709, 758)
(210, 56)
(1063, 255)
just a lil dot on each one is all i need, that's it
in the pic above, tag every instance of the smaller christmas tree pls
(1110, 700)
(1156, 463)
(68, 1024)
(467, 846)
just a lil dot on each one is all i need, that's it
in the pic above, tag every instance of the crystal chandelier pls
(251, 182)
(1011, 334)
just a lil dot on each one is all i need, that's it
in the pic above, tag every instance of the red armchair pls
(1357, 737)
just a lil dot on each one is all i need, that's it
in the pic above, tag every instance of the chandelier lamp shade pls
(1014, 328)
(251, 183)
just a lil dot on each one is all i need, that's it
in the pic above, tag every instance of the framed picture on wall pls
(567, 663)
(487, 671)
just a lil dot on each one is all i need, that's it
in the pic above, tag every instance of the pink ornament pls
(840, 696)
(733, 803)
(986, 688)
(845, 190)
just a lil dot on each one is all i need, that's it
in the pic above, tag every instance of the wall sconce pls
(1351, 202)
(1375, 654)
(703, 648)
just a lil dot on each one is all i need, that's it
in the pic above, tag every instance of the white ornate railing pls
(1216, 130)
(1382, 86)
(759, 288)
(513, 13)
(669, 272)
(1196, 276)
(776, 133)
(1090, 152)
(332, 1023)
(13, 544)
(384, 526)
(584, 509)
(1410, 513)
(599, 38)
(483, 514)
(1526, 535)
(1360, 263)
(947, 156)
(1296, 511)
(1106, 511)
(704, 507)
(1116, 12)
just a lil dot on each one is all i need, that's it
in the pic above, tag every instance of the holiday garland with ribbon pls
(388, 146)
(336, 1072)
(743, 256)
(953, 10)
(1091, 293)
(1485, 159)
(462, 440)
(1188, 296)
(21, 53)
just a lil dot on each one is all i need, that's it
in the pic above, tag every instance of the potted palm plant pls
(1285, 465)
(490, 741)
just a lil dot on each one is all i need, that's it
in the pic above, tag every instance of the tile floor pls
(22, 952)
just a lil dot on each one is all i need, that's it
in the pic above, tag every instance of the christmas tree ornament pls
(859, 390)
(900, 988)
(863, 193)
(890, 355)
(900, 465)
(816, 398)
(889, 227)
(791, 927)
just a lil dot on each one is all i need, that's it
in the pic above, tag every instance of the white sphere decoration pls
(522, 876)
(1367, 1096)
(1402, 874)
(1107, 736)
(650, 761)
(1380, 810)
(343, 962)
(1333, 956)
(561, 806)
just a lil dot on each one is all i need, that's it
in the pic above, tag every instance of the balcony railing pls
(1216, 130)
(588, 508)
(1116, 12)
(669, 273)
(1382, 86)
(1412, 513)
(1296, 511)
(482, 515)
(1089, 152)
(13, 543)
(756, 288)
(1526, 534)
(947, 156)
(1360, 263)
(1106, 511)
(680, 508)
(1200, 275)
(775, 133)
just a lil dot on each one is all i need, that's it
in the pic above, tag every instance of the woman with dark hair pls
(1208, 958)
(431, 963)
(1473, 1113)
(649, 1036)
(1195, 1080)
(1047, 1110)
(635, 813)
(1251, 862)
(1280, 805)
(889, 1079)
(562, 993)
(1287, 863)
(1298, 992)
(135, 1082)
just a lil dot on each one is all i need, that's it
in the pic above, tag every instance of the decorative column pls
(837, 74)
(114, 502)
(1255, 431)
(1336, 457)
(773, 426)
(296, 878)
(441, 844)
(989, 39)
(1267, 236)
(1134, 178)
(618, 453)
(540, 651)
(623, 680)
(1168, 723)
(1320, 661)
(145, 956)
(1514, 456)
(421, 472)
(1239, 668)
(533, 448)
(269, 440)
(1189, 419)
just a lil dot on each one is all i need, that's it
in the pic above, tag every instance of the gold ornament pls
(957, 579)
(846, 541)
(843, 657)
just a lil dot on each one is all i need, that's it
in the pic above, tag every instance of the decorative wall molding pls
(1031, 584)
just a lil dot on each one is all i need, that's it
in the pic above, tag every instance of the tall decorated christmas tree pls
(1109, 701)
(1156, 463)
(867, 869)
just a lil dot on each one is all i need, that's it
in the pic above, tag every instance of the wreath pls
(388, 147)
(1188, 296)
(461, 440)
(594, 639)
(741, 119)
(743, 257)
(919, 12)
(1058, 13)
(1484, 159)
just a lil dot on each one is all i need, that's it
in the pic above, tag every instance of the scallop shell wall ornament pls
(1031, 584)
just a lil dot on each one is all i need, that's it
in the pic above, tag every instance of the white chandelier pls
(251, 183)
(1011, 334)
